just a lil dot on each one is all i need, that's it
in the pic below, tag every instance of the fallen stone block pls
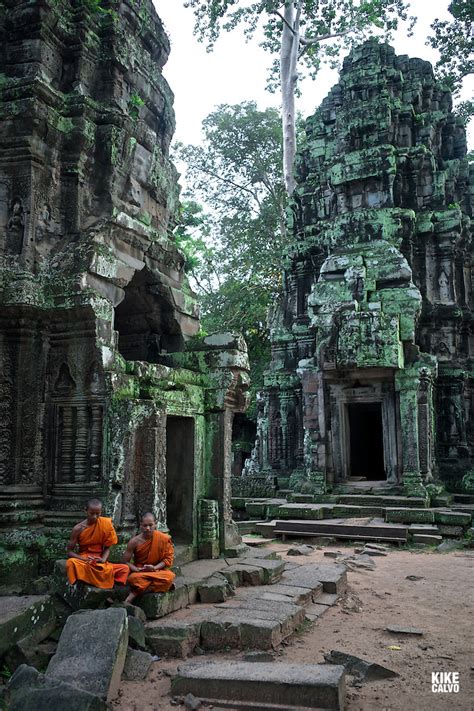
(272, 569)
(28, 616)
(28, 690)
(314, 686)
(359, 561)
(30, 652)
(361, 668)
(173, 638)
(409, 515)
(215, 589)
(136, 633)
(221, 632)
(450, 531)
(332, 577)
(265, 529)
(292, 593)
(453, 518)
(91, 651)
(245, 574)
(377, 547)
(137, 665)
(424, 529)
(300, 550)
(428, 540)
(191, 702)
(156, 605)
(263, 553)
(373, 552)
(135, 611)
(395, 629)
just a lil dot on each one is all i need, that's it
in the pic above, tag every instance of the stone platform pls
(362, 516)
(263, 686)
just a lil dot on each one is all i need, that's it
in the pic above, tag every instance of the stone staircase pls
(254, 603)
(378, 514)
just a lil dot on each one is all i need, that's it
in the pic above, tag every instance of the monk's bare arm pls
(105, 554)
(128, 555)
(73, 541)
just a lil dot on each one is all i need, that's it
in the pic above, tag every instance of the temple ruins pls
(106, 387)
(372, 360)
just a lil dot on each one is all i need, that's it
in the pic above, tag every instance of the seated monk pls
(152, 552)
(94, 536)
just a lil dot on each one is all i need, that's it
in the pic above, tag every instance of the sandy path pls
(440, 604)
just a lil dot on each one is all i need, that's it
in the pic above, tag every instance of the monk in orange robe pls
(94, 536)
(152, 552)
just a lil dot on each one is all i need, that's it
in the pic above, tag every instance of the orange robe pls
(92, 541)
(158, 549)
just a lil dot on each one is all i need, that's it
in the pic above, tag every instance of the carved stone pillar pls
(406, 384)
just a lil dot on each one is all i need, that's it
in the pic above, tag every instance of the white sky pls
(236, 71)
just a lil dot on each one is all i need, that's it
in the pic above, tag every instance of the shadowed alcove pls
(145, 320)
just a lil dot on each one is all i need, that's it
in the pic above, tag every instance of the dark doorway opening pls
(180, 478)
(366, 441)
(145, 320)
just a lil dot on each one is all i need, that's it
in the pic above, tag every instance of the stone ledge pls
(315, 686)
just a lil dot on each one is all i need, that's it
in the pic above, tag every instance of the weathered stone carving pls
(101, 367)
(373, 331)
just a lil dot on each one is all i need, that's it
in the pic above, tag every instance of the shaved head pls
(148, 515)
(93, 503)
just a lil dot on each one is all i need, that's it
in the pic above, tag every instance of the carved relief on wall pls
(6, 413)
(15, 227)
(77, 428)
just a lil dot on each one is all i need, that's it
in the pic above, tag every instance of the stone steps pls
(381, 501)
(257, 618)
(247, 685)
(364, 531)
(463, 498)
(449, 521)
(438, 516)
(215, 585)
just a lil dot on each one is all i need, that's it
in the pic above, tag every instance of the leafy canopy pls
(325, 26)
(454, 39)
(234, 247)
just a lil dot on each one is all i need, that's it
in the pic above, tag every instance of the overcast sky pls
(236, 71)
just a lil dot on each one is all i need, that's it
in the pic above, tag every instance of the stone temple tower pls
(106, 388)
(372, 345)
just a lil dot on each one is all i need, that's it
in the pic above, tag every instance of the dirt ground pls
(440, 603)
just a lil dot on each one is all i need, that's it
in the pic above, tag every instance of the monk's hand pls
(148, 568)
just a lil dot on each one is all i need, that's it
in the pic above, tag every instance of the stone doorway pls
(180, 478)
(366, 450)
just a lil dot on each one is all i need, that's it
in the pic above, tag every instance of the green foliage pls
(234, 249)
(135, 101)
(6, 672)
(455, 42)
(328, 27)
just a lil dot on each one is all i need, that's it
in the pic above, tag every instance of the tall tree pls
(303, 33)
(234, 250)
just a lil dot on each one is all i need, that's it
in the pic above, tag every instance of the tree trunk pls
(288, 75)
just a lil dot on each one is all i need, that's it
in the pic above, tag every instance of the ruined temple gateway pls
(371, 372)
(105, 386)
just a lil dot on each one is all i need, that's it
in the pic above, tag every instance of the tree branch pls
(315, 40)
(275, 12)
(230, 182)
